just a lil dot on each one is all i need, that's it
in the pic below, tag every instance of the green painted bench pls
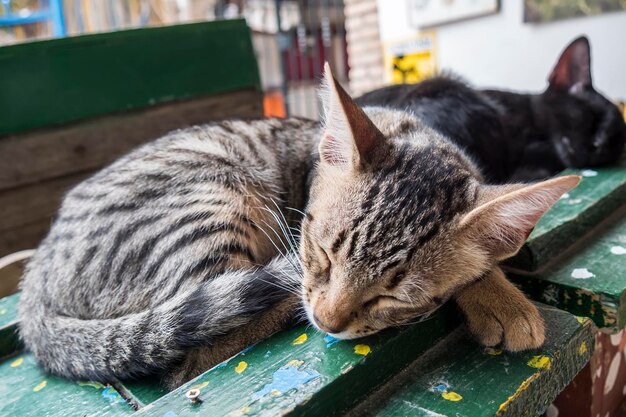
(572, 260)
(429, 368)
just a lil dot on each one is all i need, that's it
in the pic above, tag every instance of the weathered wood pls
(590, 281)
(458, 378)
(26, 212)
(87, 145)
(302, 372)
(11, 270)
(63, 80)
(60, 158)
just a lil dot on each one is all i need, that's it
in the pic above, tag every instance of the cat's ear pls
(501, 224)
(572, 72)
(350, 139)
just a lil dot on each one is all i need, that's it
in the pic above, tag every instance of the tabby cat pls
(519, 137)
(172, 259)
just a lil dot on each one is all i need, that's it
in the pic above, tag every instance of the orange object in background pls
(274, 105)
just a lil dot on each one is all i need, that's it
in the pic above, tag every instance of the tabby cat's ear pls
(572, 72)
(350, 139)
(502, 223)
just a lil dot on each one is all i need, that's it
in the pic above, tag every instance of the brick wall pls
(364, 47)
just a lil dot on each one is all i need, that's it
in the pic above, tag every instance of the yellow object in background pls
(411, 60)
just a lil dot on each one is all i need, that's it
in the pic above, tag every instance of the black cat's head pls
(586, 128)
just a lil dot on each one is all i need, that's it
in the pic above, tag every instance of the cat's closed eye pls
(378, 300)
(395, 280)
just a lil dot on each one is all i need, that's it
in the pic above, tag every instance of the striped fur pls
(164, 250)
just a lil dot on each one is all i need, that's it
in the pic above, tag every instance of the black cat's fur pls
(520, 137)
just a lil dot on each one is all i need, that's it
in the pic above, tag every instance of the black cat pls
(520, 137)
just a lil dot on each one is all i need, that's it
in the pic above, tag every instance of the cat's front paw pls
(514, 329)
(498, 313)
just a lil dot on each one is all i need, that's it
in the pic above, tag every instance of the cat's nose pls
(330, 327)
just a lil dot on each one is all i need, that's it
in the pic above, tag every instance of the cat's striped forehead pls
(404, 204)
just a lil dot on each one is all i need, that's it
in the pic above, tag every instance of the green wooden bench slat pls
(24, 391)
(28, 391)
(146, 390)
(590, 282)
(459, 378)
(301, 373)
(600, 193)
(62, 80)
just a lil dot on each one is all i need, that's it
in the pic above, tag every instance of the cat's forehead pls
(403, 207)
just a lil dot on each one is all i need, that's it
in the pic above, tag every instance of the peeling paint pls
(582, 273)
(287, 378)
(241, 366)
(451, 396)
(362, 350)
(523, 387)
(540, 362)
(300, 339)
(40, 386)
(200, 386)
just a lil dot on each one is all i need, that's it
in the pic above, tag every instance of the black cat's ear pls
(350, 139)
(572, 72)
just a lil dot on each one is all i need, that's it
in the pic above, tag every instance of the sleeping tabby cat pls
(519, 137)
(169, 260)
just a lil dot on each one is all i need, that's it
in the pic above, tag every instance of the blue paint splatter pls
(110, 394)
(286, 378)
(169, 414)
(330, 340)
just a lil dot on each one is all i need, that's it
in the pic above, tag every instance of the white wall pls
(501, 51)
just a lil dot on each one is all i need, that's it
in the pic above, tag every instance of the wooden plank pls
(458, 378)
(62, 80)
(590, 281)
(302, 372)
(90, 144)
(60, 158)
(600, 193)
(27, 391)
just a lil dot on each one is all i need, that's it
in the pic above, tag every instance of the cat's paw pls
(513, 328)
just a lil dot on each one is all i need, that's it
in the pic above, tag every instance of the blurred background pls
(504, 44)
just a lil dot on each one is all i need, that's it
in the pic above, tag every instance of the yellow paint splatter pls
(523, 387)
(295, 363)
(362, 350)
(275, 392)
(17, 362)
(300, 339)
(582, 349)
(200, 386)
(242, 411)
(40, 386)
(540, 362)
(492, 351)
(92, 384)
(241, 367)
(581, 320)
(451, 396)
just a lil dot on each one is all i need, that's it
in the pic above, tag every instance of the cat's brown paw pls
(514, 329)
(498, 313)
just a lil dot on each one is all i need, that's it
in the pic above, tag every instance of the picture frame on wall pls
(428, 13)
(543, 11)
